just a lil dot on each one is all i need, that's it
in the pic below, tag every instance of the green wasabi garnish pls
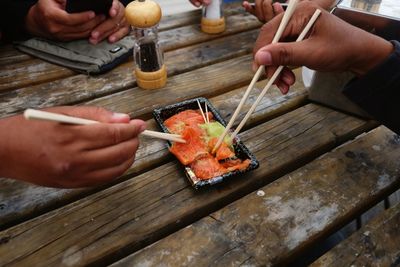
(216, 129)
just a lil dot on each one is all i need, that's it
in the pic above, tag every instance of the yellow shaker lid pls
(143, 13)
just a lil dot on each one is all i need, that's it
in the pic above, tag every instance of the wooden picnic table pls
(320, 168)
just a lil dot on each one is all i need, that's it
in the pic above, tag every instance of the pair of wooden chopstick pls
(32, 114)
(285, 20)
(204, 115)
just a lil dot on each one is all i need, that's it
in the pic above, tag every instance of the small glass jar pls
(150, 71)
(213, 20)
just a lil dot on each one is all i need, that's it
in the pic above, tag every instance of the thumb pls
(286, 54)
(99, 114)
(139, 125)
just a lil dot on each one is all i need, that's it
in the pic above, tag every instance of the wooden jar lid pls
(143, 13)
(212, 26)
(151, 80)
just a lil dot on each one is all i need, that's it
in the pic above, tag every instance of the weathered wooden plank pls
(204, 54)
(192, 34)
(394, 198)
(184, 86)
(208, 81)
(179, 20)
(375, 244)
(130, 215)
(270, 226)
(194, 17)
(29, 73)
(19, 201)
(9, 55)
(371, 213)
(82, 88)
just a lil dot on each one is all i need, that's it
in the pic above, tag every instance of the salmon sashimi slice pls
(223, 152)
(236, 164)
(194, 147)
(207, 167)
(178, 122)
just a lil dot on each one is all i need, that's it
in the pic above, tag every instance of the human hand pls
(48, 18)
(264, 10)
(114, 28)
(64, 155)
(199, 3)
(333, 45)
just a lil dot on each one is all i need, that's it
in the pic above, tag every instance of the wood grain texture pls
(19, 201)
(188, 35)
(194, 17)
(207, 81)
(123, 218)
(18, 72)
(9, 55)
(30, 72)
(375, 244)
(272, 225)
(80, 88)
(204, 54)
(175, 21)
(394, 198)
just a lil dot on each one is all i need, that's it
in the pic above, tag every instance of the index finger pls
(114, 10)
(102, 135)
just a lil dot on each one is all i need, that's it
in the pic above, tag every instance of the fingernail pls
(264, 58)
(112, 39)
(119, 116)
(95, 35)
(92, 15)
(143, 127)
(197, 4)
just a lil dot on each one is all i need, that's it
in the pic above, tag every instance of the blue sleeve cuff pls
(378, 92)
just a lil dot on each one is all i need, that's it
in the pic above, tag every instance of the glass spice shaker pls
(213, 20)
(143, 16)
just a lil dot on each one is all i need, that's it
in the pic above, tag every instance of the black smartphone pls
(98, 6)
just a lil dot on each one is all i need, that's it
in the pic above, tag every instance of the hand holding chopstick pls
(32, 114)
(270, 82)
(285, 20)
(275, 75)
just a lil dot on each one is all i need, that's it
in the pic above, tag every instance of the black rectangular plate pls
(241, 151)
